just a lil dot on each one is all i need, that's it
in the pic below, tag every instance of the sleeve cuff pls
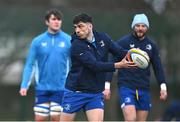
(163, 86)
(107, 85)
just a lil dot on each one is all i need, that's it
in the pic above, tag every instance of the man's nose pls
(76, 30)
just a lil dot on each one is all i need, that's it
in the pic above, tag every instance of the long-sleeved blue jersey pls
(89, 63)
(49, 59)
(136, 77)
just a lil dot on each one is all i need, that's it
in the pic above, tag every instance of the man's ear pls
(90, 25)
(47, 22)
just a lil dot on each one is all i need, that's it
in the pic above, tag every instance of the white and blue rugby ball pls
(139, 57)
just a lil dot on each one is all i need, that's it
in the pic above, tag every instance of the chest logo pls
(102, 43)
(148, 47)
(44, 44)
(132, 45)
(61, 44)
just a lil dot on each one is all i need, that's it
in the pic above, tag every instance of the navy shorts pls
(48, 96)
(137, 97)
(75, 101)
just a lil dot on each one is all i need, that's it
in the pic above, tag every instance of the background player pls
(134, 82)
(49, 57)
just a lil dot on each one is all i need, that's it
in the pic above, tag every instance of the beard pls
(140, 34)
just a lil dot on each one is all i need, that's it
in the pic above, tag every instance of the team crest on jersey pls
(44, 44)
(148, 47)
(132, 45)
(61, 44)
(102, 43)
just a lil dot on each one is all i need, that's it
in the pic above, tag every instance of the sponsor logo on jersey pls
(81, 53)
(44, 44)
(132, 45)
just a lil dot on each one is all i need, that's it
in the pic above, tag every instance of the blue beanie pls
(140, 18)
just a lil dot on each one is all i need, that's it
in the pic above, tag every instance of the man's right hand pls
(23, 92)
(124, 64)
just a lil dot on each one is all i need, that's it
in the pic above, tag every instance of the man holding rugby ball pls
(134, 83)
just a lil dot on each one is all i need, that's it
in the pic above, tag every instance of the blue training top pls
(140, 78)
(89, 63)
(49, 59)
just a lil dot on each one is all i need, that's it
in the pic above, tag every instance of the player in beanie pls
(134, 83)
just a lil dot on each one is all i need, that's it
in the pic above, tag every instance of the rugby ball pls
(139, 57)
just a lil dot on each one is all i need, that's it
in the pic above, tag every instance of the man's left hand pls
(163, 94)
(107, 94)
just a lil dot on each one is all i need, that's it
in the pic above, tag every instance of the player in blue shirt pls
(48, 59)
(86, 79)
(134, 83)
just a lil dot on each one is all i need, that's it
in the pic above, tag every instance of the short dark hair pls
(82, 17)
(54, 12)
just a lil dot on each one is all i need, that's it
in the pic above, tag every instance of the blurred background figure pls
(49, 59)
(172, 112)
